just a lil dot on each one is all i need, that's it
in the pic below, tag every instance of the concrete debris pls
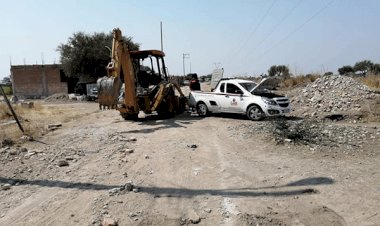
(58, 97)
(128, 186)
(118, 137)
(125, 188)
(109, 222)
(192, 146)
(30, 153)
(193, 218)
(62, 163)
(27, 138)
(132, 139)
(27, 104)
(14, 152)
(5, 187)
(332, 95)
(129, 151)
(52, 127)
(207, 210)
(309, 132)
(115, 191)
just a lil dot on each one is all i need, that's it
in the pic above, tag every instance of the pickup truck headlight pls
(269, 101)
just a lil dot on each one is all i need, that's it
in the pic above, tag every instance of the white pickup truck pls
(242, 97)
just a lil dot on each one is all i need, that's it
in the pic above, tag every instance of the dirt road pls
(186, 170)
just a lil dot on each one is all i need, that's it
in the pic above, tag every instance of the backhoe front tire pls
(202, 109)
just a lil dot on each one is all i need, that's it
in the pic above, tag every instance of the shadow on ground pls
(159, 123)
(188, 193)
(244, 117)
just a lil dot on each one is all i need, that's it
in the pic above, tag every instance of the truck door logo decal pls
(234, 102)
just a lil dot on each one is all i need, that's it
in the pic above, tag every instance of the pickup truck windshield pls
(248, 85)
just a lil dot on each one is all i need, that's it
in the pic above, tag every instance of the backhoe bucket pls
(108, 92)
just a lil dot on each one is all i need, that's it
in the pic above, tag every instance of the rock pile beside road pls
(332, 95)
(317, 135)
(58, 97)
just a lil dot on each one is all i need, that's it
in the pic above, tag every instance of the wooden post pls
(11, 109)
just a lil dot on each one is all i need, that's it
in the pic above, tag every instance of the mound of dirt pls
(58, 97)
(332, 95)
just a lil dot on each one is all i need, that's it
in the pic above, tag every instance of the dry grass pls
(298, 81)
(372, 81)
(30, 118)
(5, 113)
(35, 120)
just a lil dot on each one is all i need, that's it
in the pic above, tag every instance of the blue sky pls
(245, 37)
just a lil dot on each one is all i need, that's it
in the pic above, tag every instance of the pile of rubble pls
(317, 135)
(332, 95)
(58, 97)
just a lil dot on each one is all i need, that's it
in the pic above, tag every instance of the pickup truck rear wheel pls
(255, 113)
(202, 109)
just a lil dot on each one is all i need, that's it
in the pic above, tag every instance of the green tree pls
(283, 71)
(279, 70)
(272, 71)
(363, 66)
(87, 54)
(345, 70)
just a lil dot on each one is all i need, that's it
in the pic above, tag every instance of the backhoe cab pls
(138, 81)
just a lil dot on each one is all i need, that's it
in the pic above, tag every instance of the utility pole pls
(11, 109)
(184, 56)
(162, 43)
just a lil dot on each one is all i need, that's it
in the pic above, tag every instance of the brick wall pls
(37, 81)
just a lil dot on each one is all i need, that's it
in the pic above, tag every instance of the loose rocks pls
(62, 163)
(109, 222)
(5, 187)
(331, 95)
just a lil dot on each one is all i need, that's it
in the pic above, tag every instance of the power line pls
(255, 29)
(297, 29)
(276, 26)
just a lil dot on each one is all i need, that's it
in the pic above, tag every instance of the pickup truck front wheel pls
(255, 113)
(202, 109)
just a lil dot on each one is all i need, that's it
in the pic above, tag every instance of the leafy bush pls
(7, 90)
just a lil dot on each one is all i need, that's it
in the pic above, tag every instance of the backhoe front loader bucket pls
(108, 92)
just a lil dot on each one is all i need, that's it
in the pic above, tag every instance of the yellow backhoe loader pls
(138, 81)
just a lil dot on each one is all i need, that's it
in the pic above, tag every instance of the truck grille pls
(282, 102)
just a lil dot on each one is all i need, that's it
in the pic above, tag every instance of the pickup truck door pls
(232, 99)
